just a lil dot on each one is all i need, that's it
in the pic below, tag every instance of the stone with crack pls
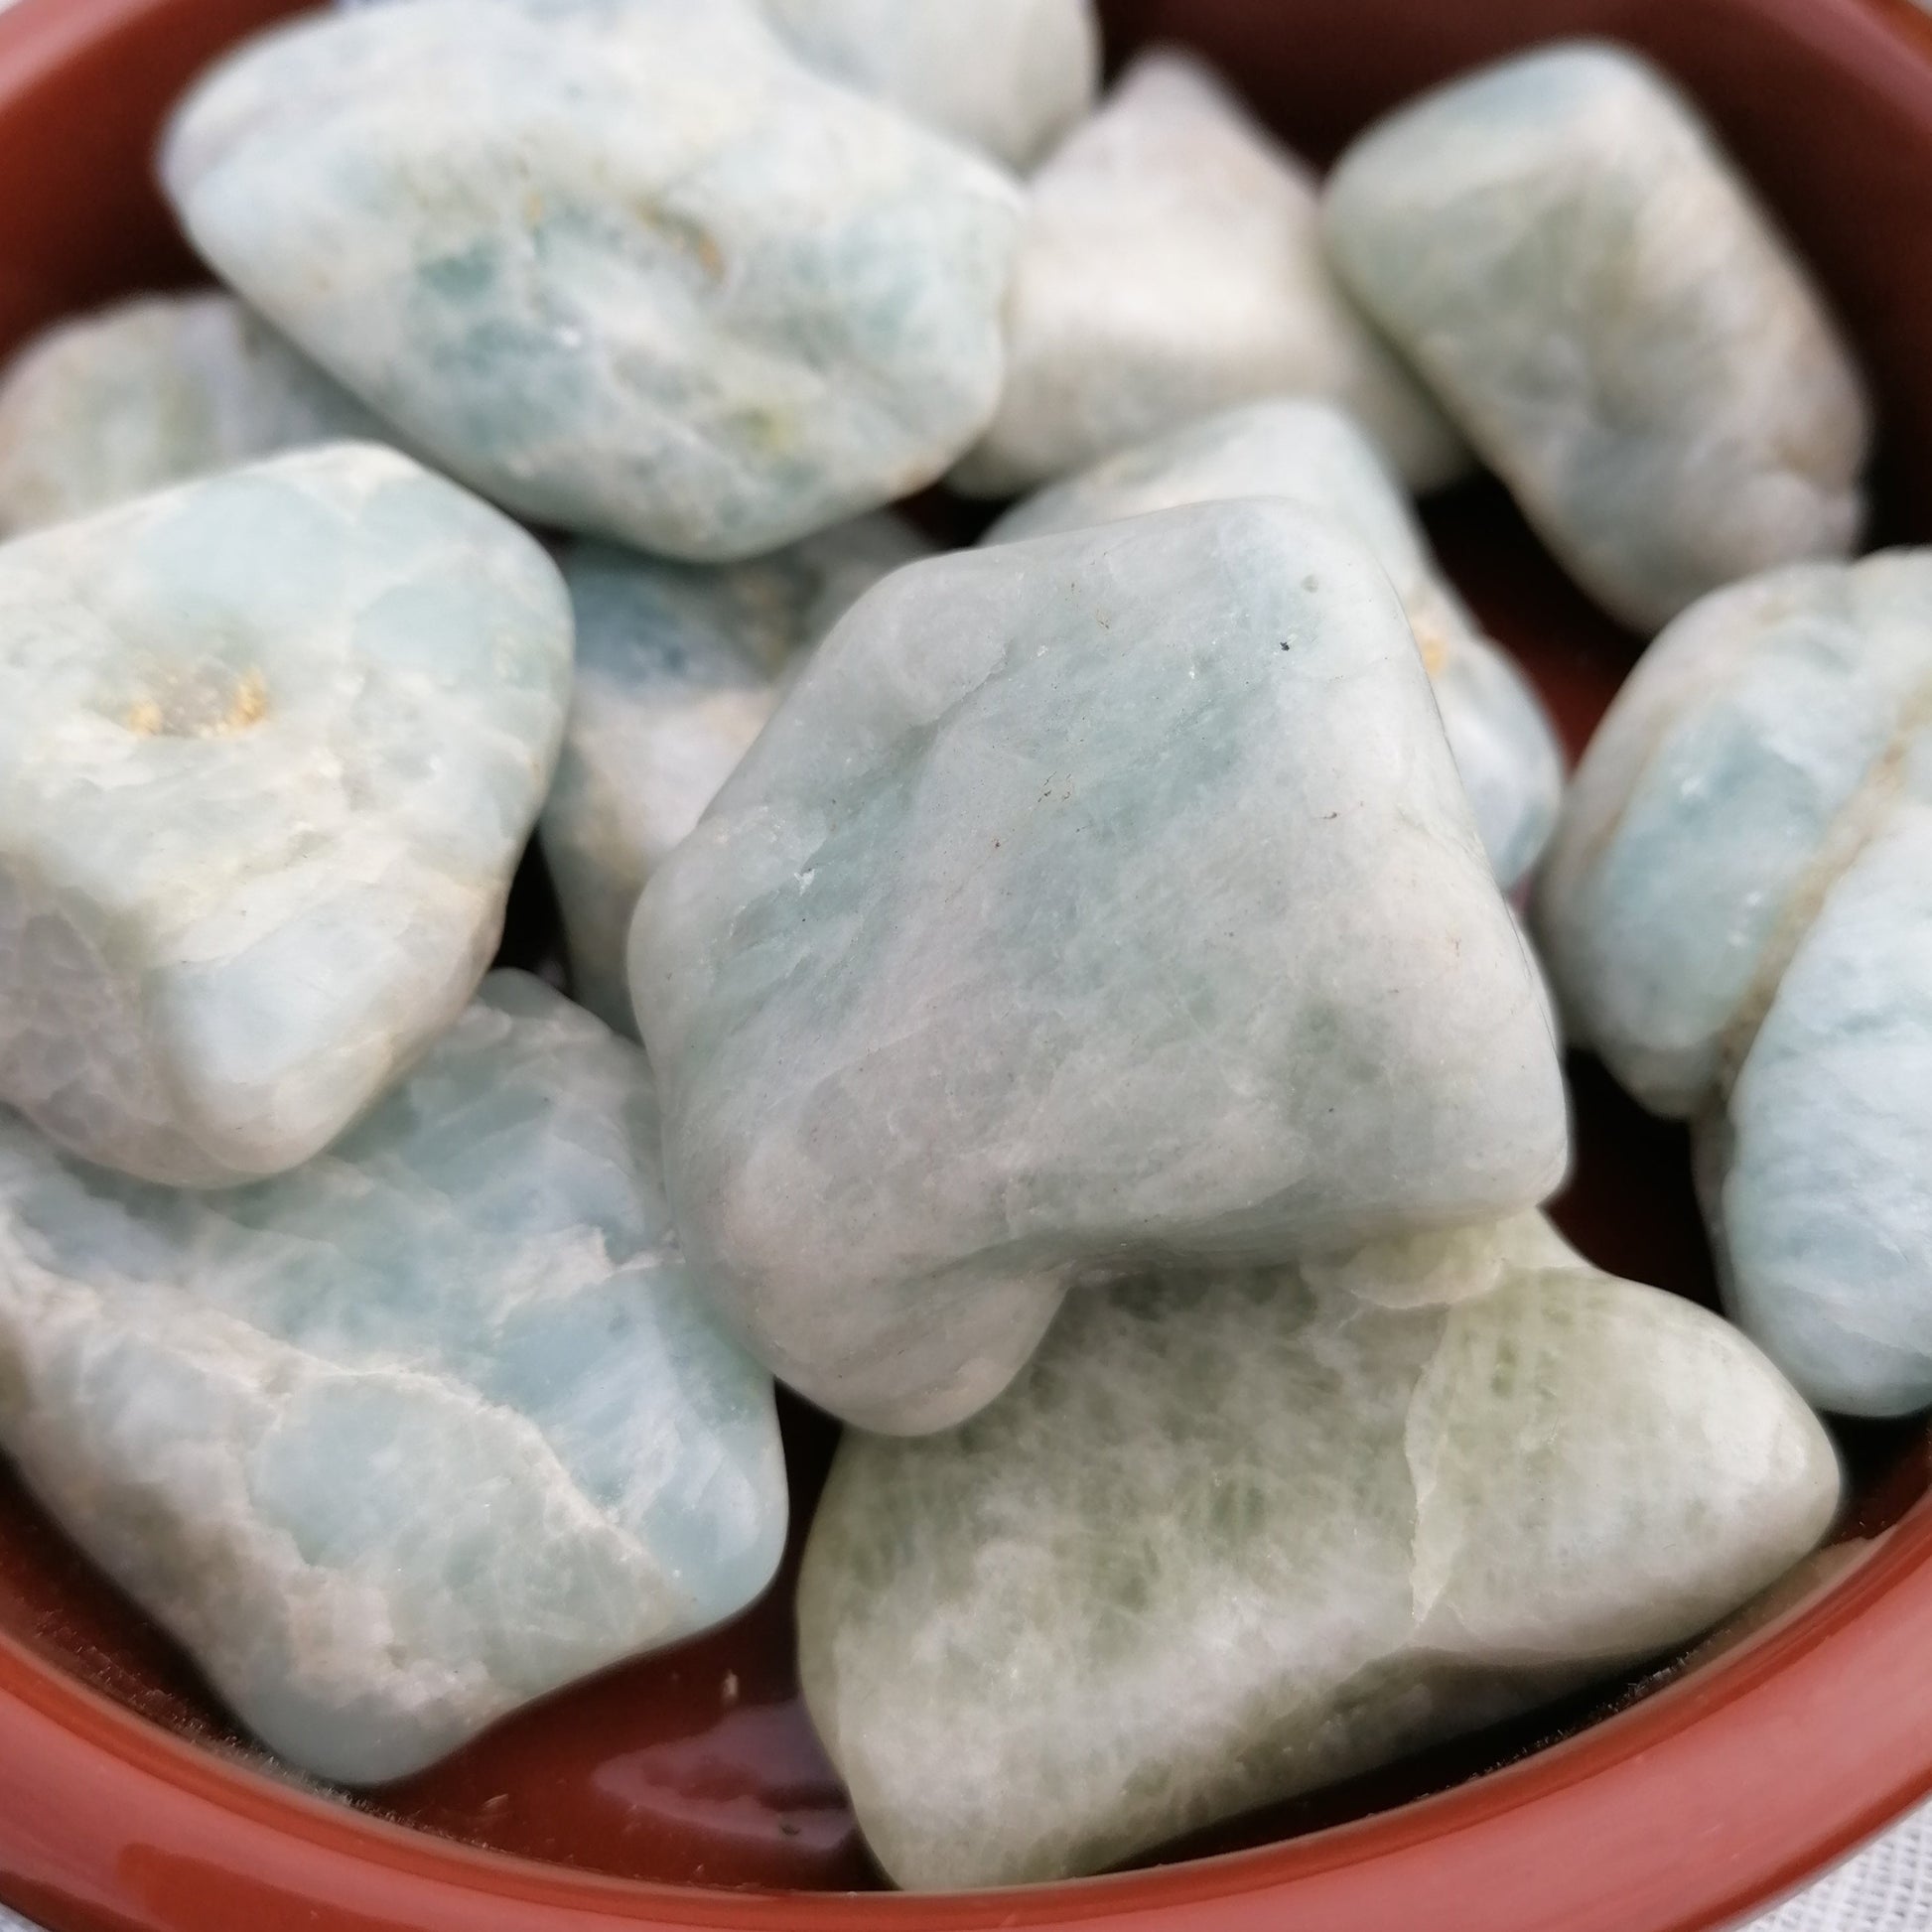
(1506, 749)
(1010, 76)
(150, 392)
(270, 747)
(1172, 265)
(397, 1443)
(678, 666)
(1238, 1535)
(1737, 910)
(1093, 900)
(628, 269)
(1599, 300)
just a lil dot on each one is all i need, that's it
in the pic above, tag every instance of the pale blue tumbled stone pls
(150, 392)
(628, 268)
(678, 666)
(1737, 910)
(270, 747)
(397, 1443)
(1008, 75)
(1171, 265)
(1505, 747)
(1234, 1536)
(1090, 900)
(1597, 299)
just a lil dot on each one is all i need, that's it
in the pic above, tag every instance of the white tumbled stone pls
(1233, 1536)
(1093, 900)
(1599, 301)
(397, 1443)
(678, 666)
(149, 392)
(1172, 265)
(628, 268)
(270, 747)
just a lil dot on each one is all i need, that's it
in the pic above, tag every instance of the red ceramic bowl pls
(687, 1791)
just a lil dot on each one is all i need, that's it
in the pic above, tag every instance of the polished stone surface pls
(1093, 900)
(1010, 76)
(1172, 265)
(270, 747)
(1596, 297)
(678, 666)
(149, 392)
(626, 268)
(1234, 1536)
(400, 1441)
(1736, 909)
(1506, 749)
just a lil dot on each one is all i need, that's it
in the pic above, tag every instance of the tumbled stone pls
(397, 1443)
(270, 746)
(1090, 900)
(629, 269)
(1172, 265)
(678, 666)
(1738, 910)
(1236, 1536)
(1596, 297)
(151, 392)
(1010, 75)
(1505, 747)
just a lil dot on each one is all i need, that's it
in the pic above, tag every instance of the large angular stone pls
(1008, 75)
(396, 1444)
(678, 666)
(1597, 298)
(1505, 747)
(1237, 1536)
(1091, 900)
(1738, 910)
(150, 392)
(1172, 265)
(630, 269)
(270, 746)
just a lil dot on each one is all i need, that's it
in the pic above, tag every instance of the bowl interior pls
(697, 1767)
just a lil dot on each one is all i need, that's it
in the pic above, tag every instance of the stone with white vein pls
(150, 392)
(678, 666)
(1506, 749)
(629, 269)
(400, 1441)
(270, 747)
(1090, 900)
(1172, 265)
(1737, 910)
(1010, 76)
(1235, 1536)
(1595, 293)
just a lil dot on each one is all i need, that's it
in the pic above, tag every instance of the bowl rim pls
(107, 1819)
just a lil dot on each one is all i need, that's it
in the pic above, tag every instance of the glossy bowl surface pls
(687, 1791)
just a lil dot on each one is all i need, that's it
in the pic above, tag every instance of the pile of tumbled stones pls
(1087, 1045)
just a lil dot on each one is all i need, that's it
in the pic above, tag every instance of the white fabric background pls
(1887, 1888)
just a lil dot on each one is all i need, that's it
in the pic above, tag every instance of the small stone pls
(678, 666)
(398, 1442)
(1562, 250)
(629, 269)
(151, 392)
(1505, 747)
(1233, 1536)
(1737, 910)
(272, 744)
(1010, 76)
(1091, 900)
(1172, 265)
